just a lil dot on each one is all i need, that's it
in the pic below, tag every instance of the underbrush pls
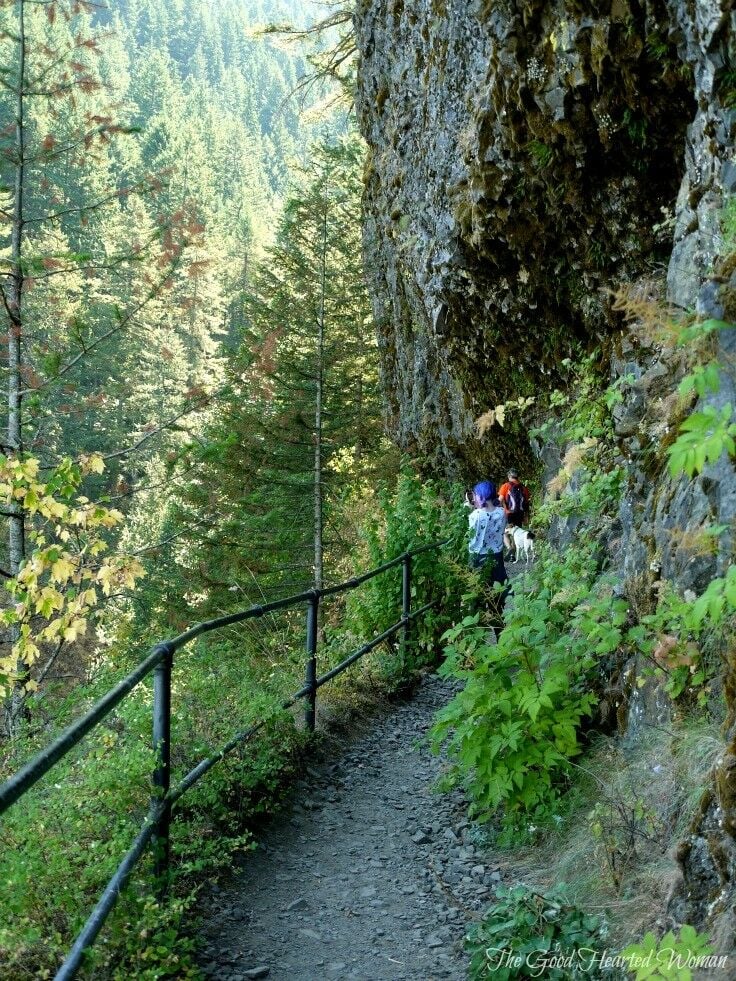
(527, 736)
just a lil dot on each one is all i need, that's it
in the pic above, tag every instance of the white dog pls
(523, 544)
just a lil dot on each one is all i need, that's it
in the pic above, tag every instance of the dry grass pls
(574, 457)
(644, 798)
(651, 321)
(695, 542)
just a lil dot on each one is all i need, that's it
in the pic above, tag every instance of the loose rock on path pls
(373, 876)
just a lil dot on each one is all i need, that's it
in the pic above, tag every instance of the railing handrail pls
(160, 660)
(14, 788)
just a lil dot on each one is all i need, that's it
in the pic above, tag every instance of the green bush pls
(671, 957)
(514, 727)
(415, 514)
(528, 934)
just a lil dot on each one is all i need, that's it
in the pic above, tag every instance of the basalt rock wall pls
(521, 158)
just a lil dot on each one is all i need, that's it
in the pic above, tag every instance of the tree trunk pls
(16, 521)
(318, 558)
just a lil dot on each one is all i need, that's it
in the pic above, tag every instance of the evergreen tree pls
(304, 431)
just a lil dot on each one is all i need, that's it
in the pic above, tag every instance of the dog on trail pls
(523, 544)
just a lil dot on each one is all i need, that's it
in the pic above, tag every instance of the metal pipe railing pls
(161, 661)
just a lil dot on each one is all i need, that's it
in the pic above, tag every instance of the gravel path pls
(372, 876)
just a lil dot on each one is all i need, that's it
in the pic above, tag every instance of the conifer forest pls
(287, 288)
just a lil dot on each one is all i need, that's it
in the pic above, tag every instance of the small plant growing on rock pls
(673, 958)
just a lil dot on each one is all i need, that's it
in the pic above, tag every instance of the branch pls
(82, 209)
(147, 487)
(49, 664)
(204, 400)
(124, 322)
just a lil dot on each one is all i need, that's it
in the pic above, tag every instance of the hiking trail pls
(371, 876)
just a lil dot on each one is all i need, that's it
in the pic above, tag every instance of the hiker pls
(487, 523)
(515, 500)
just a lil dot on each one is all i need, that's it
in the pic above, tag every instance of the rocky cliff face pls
(521, 155)
(525, 159)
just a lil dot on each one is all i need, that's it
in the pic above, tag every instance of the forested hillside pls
(158, 145)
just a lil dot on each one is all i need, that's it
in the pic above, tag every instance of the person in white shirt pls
(487, 525)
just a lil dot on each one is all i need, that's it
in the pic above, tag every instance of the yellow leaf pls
(104, 578)
(48, 600)
(31, 686)
(92, 463)
(26, 651)
(62, 570)
(51, 630)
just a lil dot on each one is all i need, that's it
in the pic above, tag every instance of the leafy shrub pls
(670, 957)
(674, 637)
(514, 727)
(528, 934)
(414, 515)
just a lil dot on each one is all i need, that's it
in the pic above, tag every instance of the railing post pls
(162, 773)
(310, 713)
(405, 603)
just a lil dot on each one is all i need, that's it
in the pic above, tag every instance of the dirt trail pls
(373, 875)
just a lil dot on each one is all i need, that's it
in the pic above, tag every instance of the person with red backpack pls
(515, 500)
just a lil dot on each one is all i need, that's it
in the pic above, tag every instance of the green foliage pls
(414, 514)
(583, 409)
(636, 128)
(727, 88)
(260, 450)
(514, 727)
(674, 636)
(728, 216)
(541, 153)
(528, 934)
(63, 841)
(101, 792)
(703, 438)
(594, 491)
(703, 379)
(64, 574)
(671, 957)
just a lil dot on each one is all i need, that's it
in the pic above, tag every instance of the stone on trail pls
(257, 972)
